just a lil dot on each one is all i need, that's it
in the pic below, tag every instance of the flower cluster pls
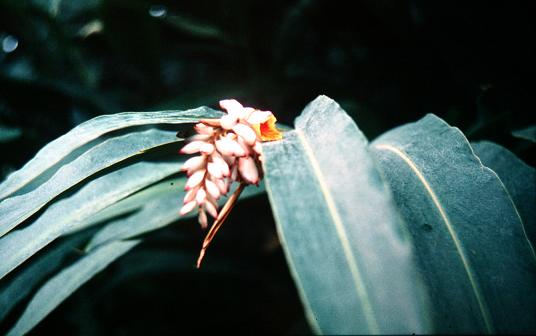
(229, 151)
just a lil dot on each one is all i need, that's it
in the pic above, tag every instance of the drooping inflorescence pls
(229, 150)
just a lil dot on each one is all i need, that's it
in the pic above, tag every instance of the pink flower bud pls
(212, 189)
(258, 117)
(222, 165)
(207, 148)
(204, 129)
(246, 132)
(246, 112)
(227, 146)
(193, 164)
(214, 170)
(201, 196)
(192, 147)
(195, 179)
(228, 121)
(190, 195)
(187, 207)
(222, 186)
(203, 220)
(244, 146)
(211, 209)
(248, 170)
(232, 106)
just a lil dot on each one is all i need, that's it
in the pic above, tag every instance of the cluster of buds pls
(229, 151)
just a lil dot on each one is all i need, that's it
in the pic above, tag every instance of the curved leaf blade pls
(66, 214)
(22, 285)
(518, 178)
(15, 210)
(351, 262)
(470, 243)
(57, 289)
(158, 211)
(159, 208)
(56, 150)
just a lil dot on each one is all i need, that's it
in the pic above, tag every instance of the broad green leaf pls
(65, 215)
(66, 282)
(528, 133)
(518, 178)
(162, 209)
(471, 248)
(342, 236)
(16, 209)
(88, 131)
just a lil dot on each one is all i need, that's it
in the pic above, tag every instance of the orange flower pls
(267, 130)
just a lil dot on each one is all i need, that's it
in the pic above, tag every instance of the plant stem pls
(222, 216)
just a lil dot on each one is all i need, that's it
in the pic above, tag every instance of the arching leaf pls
(83, 134)
(340, 229)
(471, 248)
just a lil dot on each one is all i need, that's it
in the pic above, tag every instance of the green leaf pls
(59, 149)
(16, 209)
(159, 203)
(471, 248)
(25, 281)
(518, 178)
(528, 133)
(65, 215)
(66, 282)
(161, 209)
(341, 233)
(135, 202)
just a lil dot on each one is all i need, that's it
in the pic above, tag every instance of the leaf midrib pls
(461, 252)
(343, 237)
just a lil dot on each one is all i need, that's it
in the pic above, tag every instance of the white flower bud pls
(232, 106)
(193, 164)
(192, 147)
(214, 170)
(187, 207)
(227, 146)
(207, 148)
(222, 165)
(190, 195)
(212, 189)
(201, 196)
(228, 121)
(246, 132)
(195, 179)
(211, 209)
(258, 117)
(204, 129)
(248, 170)
(203, 220)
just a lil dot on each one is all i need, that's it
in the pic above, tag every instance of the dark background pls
(387, 62)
